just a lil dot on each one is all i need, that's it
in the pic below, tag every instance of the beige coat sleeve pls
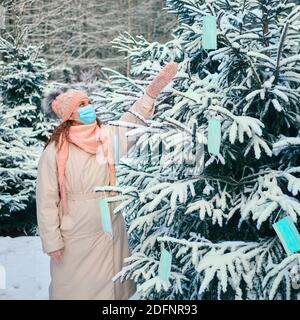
(145, 106)
(47, 200)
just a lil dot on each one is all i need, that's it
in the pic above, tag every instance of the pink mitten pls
(165, 75)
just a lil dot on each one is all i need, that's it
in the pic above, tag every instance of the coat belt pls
(88, 195)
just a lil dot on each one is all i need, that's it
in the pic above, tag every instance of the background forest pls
(77, 34)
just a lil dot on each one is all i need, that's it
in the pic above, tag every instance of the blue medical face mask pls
(87, 114)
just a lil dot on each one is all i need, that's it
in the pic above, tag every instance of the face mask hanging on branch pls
(117, 147)
(209, 33)
(214, 134)
(165, 263)
(288, 234)
(105, 217)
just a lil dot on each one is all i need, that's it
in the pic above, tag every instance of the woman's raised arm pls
(145, 106)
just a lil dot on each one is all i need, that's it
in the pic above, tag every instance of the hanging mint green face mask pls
(209, 38)
(288, 234)
(165, 263)
(105, 216)
(87, 114)
(214, 136)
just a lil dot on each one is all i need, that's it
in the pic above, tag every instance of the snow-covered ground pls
(26, 268)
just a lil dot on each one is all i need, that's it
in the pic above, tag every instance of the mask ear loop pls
(276, 218)
(169, 247)
(165, 245)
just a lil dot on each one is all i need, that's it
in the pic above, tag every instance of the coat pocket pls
(66, 221)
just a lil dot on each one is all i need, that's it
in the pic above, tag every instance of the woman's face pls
(75, 114)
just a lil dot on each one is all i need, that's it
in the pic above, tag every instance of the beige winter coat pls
(90, 257)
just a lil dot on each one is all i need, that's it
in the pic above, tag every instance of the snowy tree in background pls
(23, 80)
(216, 222)
(23, 77)
(18, 169)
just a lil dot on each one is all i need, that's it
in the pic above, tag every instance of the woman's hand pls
(165, 75)
(56, 255)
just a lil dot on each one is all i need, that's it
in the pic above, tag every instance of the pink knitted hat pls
(66, 103)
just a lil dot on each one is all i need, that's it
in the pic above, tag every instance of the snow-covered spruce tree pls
(216, 222)
(17, 171)
(23, 77)
(22, 82)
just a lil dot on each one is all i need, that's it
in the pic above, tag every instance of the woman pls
(77, 158)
